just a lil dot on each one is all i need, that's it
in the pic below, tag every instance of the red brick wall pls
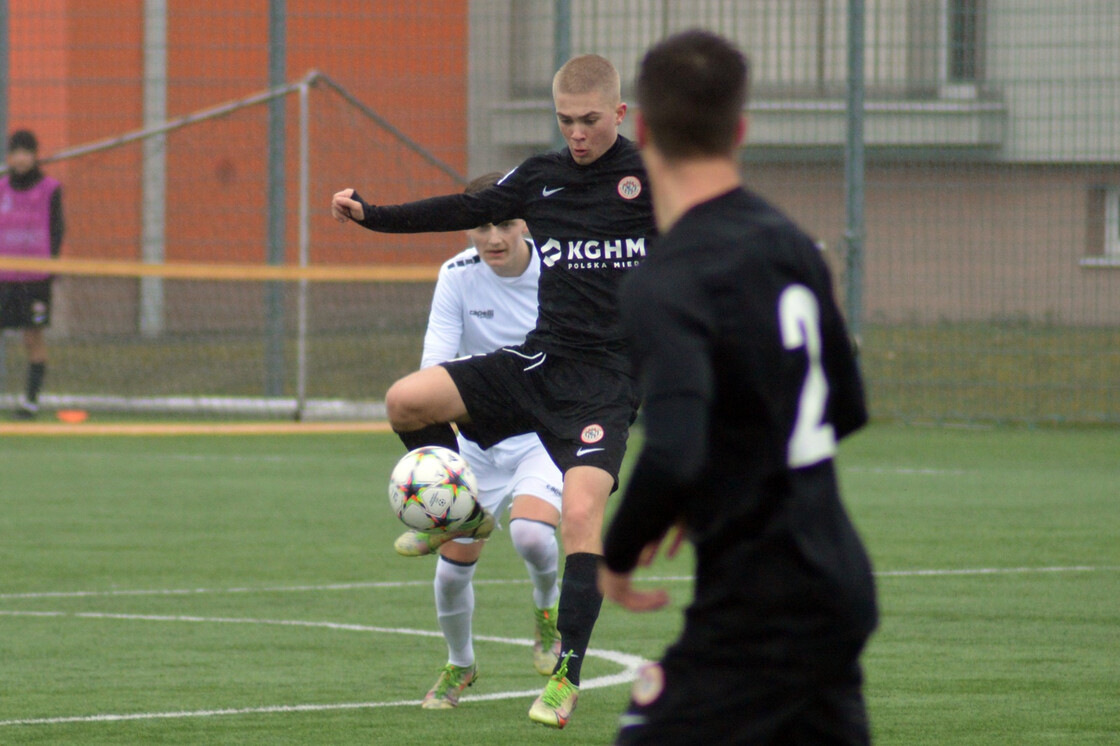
(77, 77)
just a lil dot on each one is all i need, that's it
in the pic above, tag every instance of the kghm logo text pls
(590, 254)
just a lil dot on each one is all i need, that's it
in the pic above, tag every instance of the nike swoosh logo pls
(546, 192)
(585, 451)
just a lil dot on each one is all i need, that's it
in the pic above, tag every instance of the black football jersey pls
(736, 314)
(591, 224)
(749, 381)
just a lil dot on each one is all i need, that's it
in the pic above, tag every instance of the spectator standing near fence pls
(748, 380)
(31, 226)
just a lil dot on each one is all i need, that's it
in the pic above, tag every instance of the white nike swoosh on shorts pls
(537, 359)
(585, 451)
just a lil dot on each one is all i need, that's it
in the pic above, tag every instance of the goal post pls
(194, 333)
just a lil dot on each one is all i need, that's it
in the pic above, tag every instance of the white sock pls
(455, 608)
(537, 545)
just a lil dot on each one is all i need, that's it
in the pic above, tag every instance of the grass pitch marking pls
(629, 663)
(498, 581)
(907, 471)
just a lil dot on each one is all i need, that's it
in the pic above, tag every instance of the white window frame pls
(1112, 222)
(950, 88)
(1109, 255)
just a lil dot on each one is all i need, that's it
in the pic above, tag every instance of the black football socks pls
(580, 602)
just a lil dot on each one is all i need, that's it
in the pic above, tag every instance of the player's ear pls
(741, 130)
(620, 112)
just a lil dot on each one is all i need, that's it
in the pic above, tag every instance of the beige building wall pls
(982, 199)
(980, 242)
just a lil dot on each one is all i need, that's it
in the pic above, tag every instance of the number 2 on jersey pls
(813, 440)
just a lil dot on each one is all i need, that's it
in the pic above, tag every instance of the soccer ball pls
(433, 489)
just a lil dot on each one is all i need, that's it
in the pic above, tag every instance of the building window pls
(1103, 234)
(945, 56)
(963, 35)
(962, 48)
(1112, 222)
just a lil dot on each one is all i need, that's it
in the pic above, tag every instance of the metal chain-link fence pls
(990, 255)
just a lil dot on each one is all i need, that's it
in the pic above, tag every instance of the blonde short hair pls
(588, 73)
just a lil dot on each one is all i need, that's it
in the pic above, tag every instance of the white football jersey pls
(474, 311)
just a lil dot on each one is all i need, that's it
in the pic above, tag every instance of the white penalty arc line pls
(936, 572)
(630, 664)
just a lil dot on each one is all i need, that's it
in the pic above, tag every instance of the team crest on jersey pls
(629, 187)
(648, 684)
(592, 434)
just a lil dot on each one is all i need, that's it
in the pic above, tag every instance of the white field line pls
(629, 663)
(205, 591)
(425, 583)
(911, 471)
(993, 571)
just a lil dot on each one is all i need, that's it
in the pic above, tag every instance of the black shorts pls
(685, 703)
(582, 412)
(25, 304)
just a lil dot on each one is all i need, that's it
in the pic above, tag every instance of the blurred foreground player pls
(749, 380)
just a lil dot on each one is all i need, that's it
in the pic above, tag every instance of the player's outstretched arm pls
(449, 212)
(344, 207)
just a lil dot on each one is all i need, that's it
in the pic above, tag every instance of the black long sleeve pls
(452, 212)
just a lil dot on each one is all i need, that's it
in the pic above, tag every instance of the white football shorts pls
(516, 466)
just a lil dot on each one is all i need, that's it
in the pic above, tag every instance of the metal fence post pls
(854, 169)
(277, 63)
(562, 49)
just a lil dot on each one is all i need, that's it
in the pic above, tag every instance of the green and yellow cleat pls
(546, 641)
(450, 684)
(555, 704)
(414, 543)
